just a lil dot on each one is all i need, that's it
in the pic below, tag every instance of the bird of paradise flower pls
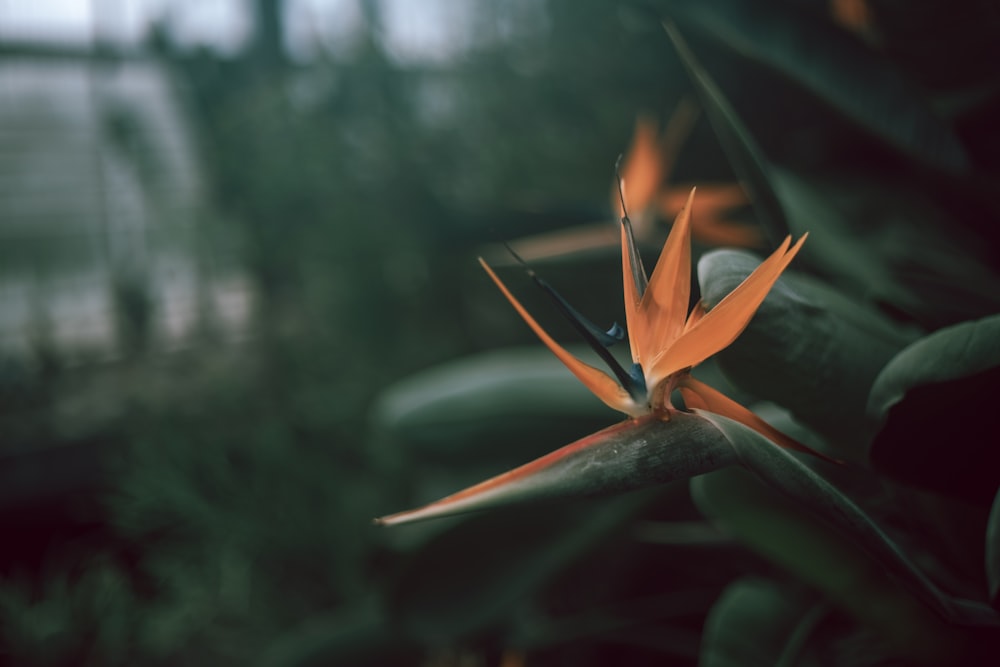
(647, 168)
(666, 342)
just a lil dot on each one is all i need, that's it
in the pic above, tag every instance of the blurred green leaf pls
(955, 352)
(890, 244)
(882, 240)
(352, 636)
(468, 579)
(757, 623)
(833, 562)
(835, 247)
(993, 553)
(800, 519)
(933, 402)
(808, 348)
(746, 158)
(501, 403)
(92, 619)
(834, 65)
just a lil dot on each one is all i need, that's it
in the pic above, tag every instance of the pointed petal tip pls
(798, 244)
(724, 322)
(399, 518)
(476, 497)
(602, 385)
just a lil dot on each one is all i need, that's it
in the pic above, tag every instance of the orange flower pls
(647, 170)
(854, 15)
(666, 342)
(665, 339)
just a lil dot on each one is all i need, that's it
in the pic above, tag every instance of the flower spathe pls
(666, 340)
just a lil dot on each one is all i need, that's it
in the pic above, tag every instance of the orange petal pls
(700, 396)
(714, 230)
(512, 658)
(695, 315)
(642, 169)
(727, 320)
(664, 306)
(710, 197)
(852, 14)
(562, 243)
(650, 159)
(711, 227)
(600, 383)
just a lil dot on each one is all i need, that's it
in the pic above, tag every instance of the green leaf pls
(808, 348)
(746, 158)
(949, 354)
(757, 623)
(801, 520)
(891, 245)
(993, 553)
(834, 65)
(474, 575)
(835, 246)
(915, 259)
(504, 401)
(351, 636)
(934, 404)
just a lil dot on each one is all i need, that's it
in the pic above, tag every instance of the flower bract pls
(666, 339)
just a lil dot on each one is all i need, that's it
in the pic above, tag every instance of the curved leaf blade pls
(807, 348)
(948, 354)
(746, 158)
(834, 65)
(755, 623)
(781, 471)
(505, 401)
(993, 553)
(934, 402)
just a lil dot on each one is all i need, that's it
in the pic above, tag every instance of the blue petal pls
(616, 334)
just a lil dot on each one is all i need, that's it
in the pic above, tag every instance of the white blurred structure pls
(102, 215)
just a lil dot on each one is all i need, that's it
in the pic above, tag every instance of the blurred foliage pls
(359, 187)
